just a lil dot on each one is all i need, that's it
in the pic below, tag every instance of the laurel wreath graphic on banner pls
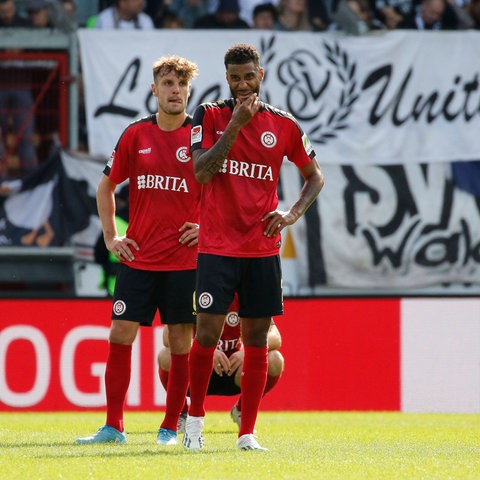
(345, 71)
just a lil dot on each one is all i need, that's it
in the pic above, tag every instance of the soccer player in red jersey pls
(238, 146)
(228, 358)
(159, 251)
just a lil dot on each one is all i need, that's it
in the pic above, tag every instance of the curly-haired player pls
(238, 146)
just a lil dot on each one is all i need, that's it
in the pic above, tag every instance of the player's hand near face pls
(189, 236)
(245, 110)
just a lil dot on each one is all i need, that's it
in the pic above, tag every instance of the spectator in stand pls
(52, 14)
(247, 7)
(473, 9)
(37, 11)
(392, 12)
(123, 14)
(460, 9)
(293, 16)
(170, 19)
(86, 9)
(355, 17)
(264, 16)
(189, 10)
(432, 15)
(9, 16)
(227, 15)
(70, 10)
(319, 15)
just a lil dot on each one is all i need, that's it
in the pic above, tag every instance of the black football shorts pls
(258, 282)
(140, 293)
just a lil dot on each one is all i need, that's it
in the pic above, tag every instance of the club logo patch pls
(196, 135)
(119, 307)
(268, 139)
(181, 155)
(232, 319)
(205, 300)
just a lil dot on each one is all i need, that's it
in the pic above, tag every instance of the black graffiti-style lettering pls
(430, 251)
(458, 101)
(355, 186)
(438, 251)
(447, 249)
(429, 244)
(129, 81)
(396, 258)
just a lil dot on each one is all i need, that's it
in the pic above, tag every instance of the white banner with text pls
(395, 130)
(391, 98)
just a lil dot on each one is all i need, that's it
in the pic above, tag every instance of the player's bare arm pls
(278, 220)
(207, 162)
(121, 247)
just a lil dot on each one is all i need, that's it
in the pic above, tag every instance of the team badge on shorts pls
(268, 139)
(119, 307)
(205, 300)
(232, 319)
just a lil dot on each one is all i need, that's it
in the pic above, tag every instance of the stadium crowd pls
(285, 15)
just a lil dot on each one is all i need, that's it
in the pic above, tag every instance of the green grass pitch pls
(302, 445)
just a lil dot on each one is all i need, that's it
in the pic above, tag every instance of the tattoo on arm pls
(218, 153)
(214, 164)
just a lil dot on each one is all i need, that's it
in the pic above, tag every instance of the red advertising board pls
(340, 354)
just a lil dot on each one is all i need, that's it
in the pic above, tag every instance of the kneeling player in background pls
(227, 367)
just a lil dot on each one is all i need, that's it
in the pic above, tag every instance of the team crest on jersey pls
(232, 319)
(119, 307)
(205, 300)
(268, 139)
(196, 135)
(181, 155)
